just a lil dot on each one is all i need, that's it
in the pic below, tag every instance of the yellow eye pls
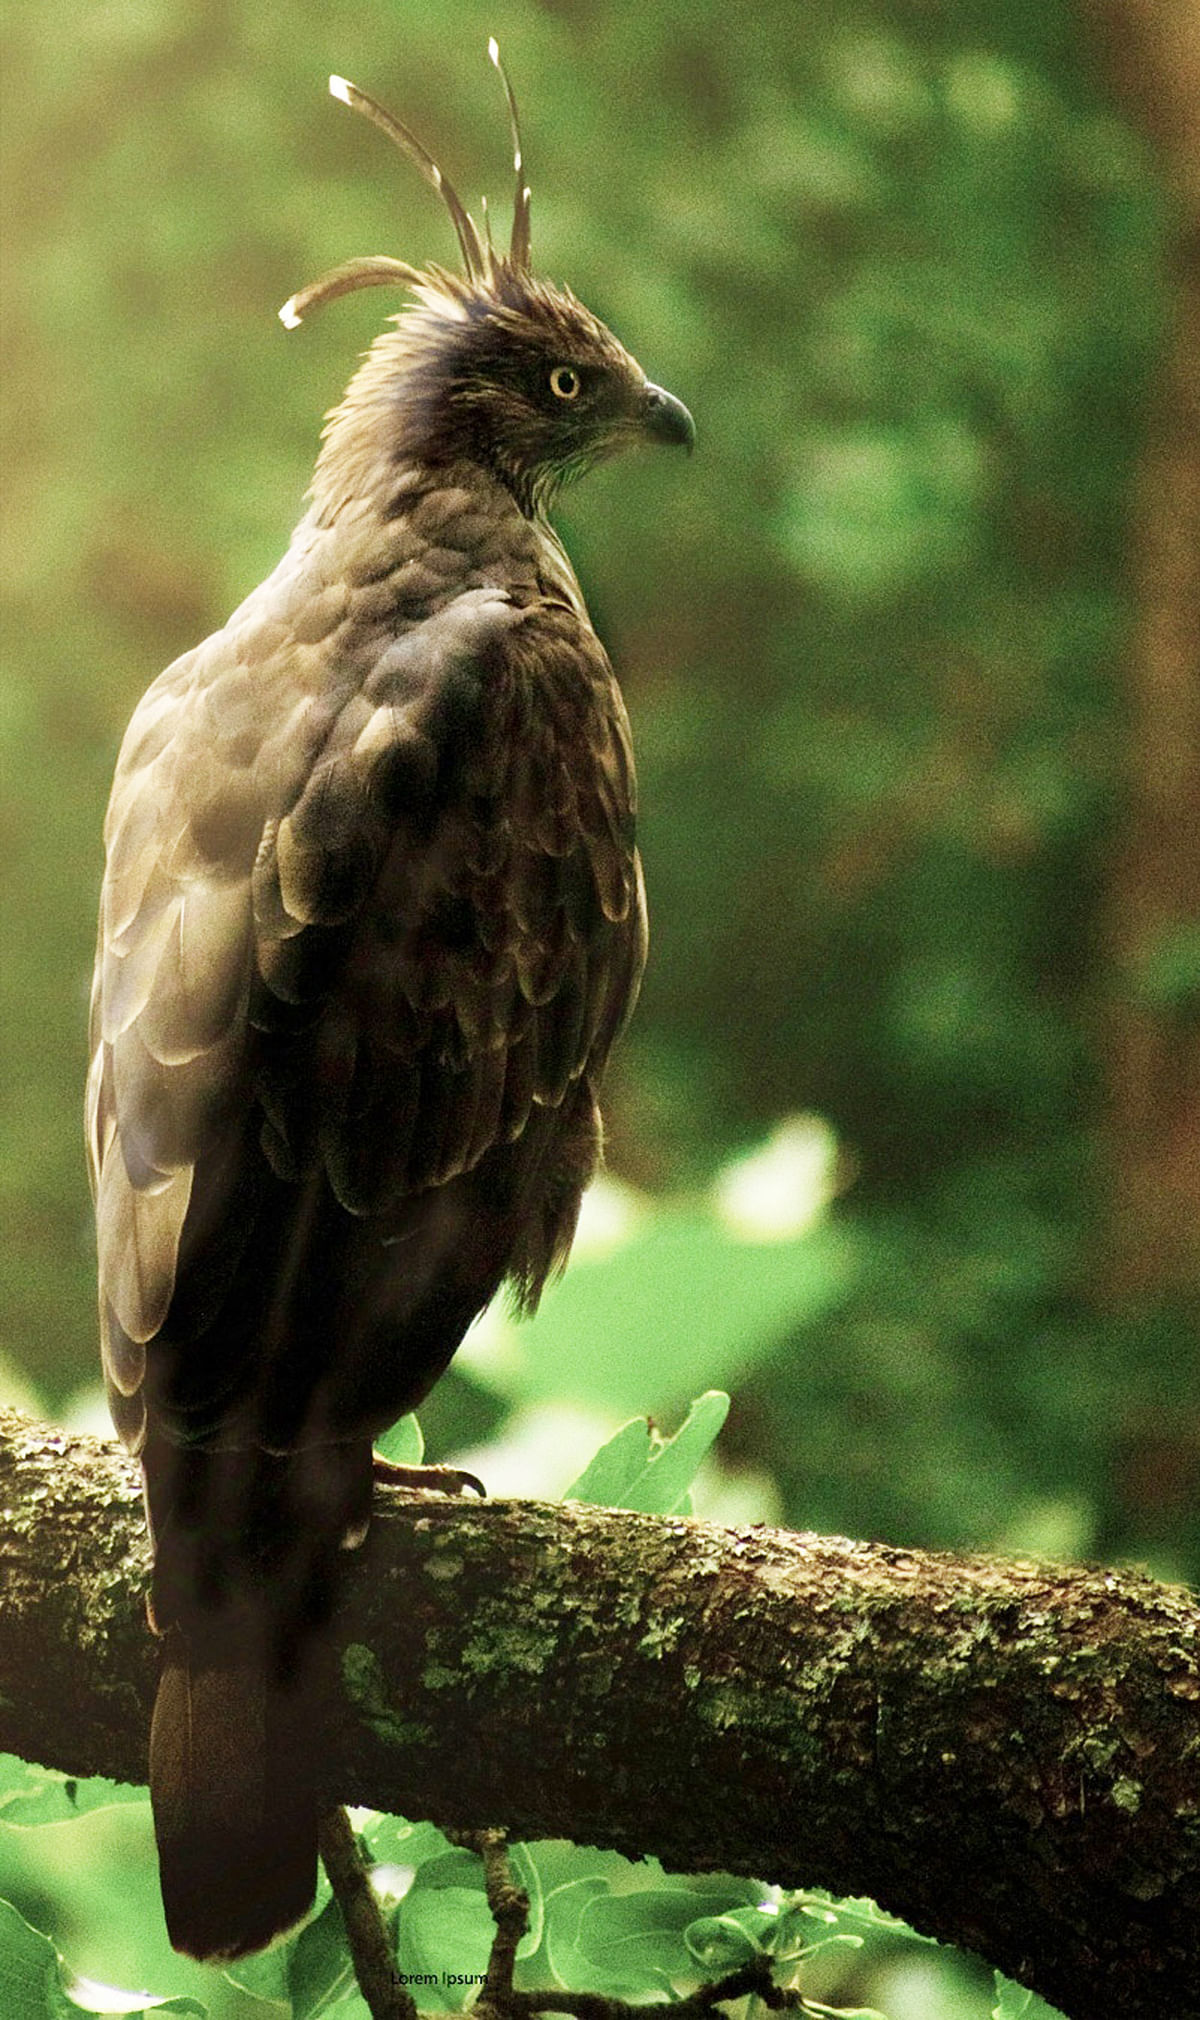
(565, 382)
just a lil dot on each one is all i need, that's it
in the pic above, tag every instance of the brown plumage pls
(372, 917)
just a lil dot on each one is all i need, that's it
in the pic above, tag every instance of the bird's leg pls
(425, 1479)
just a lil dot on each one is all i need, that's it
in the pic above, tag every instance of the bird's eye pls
(565, 382)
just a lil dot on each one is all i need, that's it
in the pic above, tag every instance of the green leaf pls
(1013, 2002)
(568, 1877)
(791, 1936)
(634, 1941)
(445, 1938)
(393, 1841)
(30, 1972)
(822, 2012)
(457, 1867)
(268, 1973)
(608, 1477)
(95, 1879)
(36, 1985)
(265, 1975)
(1017, 2002)
(78, 1990)
(445, 1931)
(31, 1795)
(526, 1874)
(664, 1486)
(682, 1303)
(626, 1949)
(840, 1940)
(859, 1909)
(349, 2005)
(652, 1475)
(403, 1444)
(567, 1963)
(721, 1943)
(320, 1969)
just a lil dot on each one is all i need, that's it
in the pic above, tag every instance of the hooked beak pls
(666, 419)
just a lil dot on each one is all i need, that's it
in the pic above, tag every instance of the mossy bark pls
(1006, 1753)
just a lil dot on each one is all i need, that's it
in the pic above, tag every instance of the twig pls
(754, 1977)
(509, 1906)
(366, 1933)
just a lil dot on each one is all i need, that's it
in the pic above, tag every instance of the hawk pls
(372, 918)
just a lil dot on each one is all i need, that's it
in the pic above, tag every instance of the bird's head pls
(493, 366)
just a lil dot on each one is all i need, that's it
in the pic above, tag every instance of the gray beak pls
(666, 419)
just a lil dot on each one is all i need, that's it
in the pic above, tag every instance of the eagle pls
(372, 918)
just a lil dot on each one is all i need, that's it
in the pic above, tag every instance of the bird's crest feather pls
(483, 266)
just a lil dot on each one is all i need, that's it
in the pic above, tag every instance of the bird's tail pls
(235, 1803)
(249, 1549)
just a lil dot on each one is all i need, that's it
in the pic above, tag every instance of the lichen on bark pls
(1006, 1753)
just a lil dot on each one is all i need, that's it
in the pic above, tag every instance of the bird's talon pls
(426, 1479)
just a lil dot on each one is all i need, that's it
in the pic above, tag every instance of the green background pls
(906, 264)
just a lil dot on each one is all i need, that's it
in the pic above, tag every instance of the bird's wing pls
(228, 730)
(458, 887)
(380, 905)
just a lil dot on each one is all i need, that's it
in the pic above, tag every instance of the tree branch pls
(1007, 1754)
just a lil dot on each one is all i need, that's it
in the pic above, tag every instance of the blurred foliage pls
(905, 262)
